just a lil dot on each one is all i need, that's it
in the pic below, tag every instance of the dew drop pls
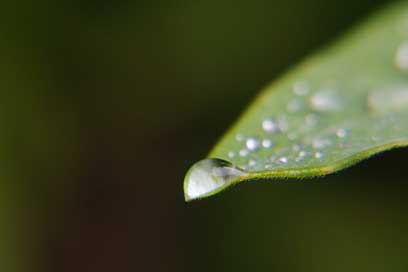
(318, 155)
(244, 152)
(209, 175)
(252, 163)
(388, 99)
(341, 133)
(239, 137)
(401, 57)
(231, 154)
(283, 160)
(270, 125)
(252, 144)
(301, 156)
(326, 101)
(266, 143)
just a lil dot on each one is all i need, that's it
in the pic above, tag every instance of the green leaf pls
(339, 107)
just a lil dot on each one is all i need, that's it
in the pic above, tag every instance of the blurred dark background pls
(104, 106)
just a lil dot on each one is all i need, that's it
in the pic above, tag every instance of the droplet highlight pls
(270, 125)
(208, 176)
(252, 144)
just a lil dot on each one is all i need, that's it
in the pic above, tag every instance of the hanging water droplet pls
(266, 143)
(252, 144)
(209, 175)
(401, 57)
(326, 101)
(270, 125)
(389, 99)
(301, 88)
(244, 152)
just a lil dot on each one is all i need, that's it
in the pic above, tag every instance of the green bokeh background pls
(105, 105)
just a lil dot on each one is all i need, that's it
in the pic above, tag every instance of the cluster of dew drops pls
(322, 101)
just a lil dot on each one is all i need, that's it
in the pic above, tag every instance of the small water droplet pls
(326, 101)
(252, 163)
(341, 133)
(301, 88)
(283, 160)
(252, 144)
(244, 152)
(239, 137)
(270, 125)
(231, 154)
(209, 175)
(266, 143)
(318, 155)
(401, 57)
(301, 156)
(389, 99)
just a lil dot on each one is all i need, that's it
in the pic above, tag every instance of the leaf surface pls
(336, 108)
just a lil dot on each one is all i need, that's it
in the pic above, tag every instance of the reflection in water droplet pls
(252, 144)
(301, 88)
(270, 125)
(207, 176)
(326, 101)
(401, 57)
(388, 99)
